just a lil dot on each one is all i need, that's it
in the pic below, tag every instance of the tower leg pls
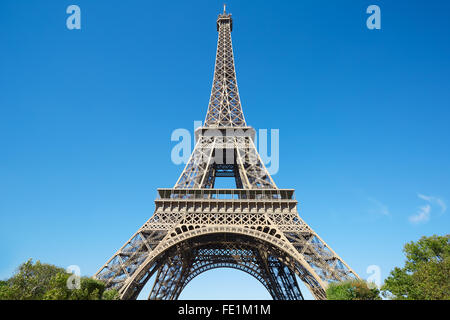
(171, 276)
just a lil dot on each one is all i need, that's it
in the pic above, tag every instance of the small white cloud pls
(380, 208)
(422, 216)
(434, 201)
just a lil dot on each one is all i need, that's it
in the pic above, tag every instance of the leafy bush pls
(352, 290)
(47, 282)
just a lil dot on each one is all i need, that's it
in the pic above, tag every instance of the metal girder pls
(212, 150)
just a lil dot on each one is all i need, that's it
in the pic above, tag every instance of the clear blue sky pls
(86, 117)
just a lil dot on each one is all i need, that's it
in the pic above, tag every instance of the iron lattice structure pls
(255, 228)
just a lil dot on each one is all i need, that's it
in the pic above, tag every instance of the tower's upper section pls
(224, 18)
(224, 108)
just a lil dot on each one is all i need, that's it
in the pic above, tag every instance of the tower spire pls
(224, 8)
(224, 108)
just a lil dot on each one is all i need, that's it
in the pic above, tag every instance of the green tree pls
(426, 274)
(5, 292)
(37, 281)
(110, 294)
(89, 289)
(352, 290)
(30, 282)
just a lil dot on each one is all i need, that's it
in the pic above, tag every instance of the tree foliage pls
(426, 274)
(38, 281)
(352, 290)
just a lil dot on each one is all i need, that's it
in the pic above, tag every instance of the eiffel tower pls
(195, 227)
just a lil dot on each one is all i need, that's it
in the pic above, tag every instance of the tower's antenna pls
(224, 8)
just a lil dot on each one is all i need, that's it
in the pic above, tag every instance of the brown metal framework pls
(195, 228)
